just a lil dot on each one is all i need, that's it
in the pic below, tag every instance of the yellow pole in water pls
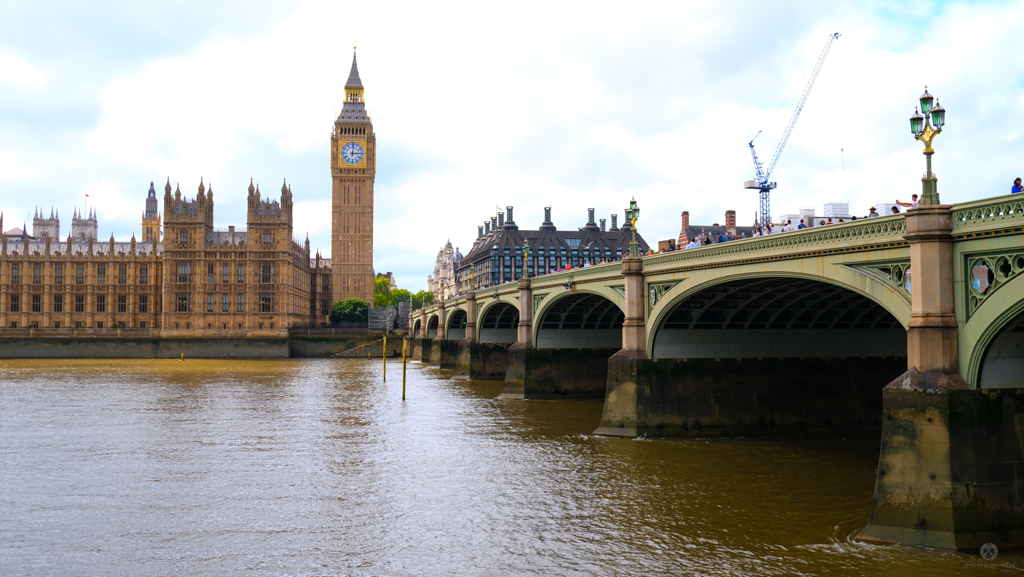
(385, 357)
(403, 368)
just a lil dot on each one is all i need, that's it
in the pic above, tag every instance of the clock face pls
(352, 153)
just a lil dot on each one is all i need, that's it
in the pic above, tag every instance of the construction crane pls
(761, 181)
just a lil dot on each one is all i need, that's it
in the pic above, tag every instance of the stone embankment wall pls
(157, 347)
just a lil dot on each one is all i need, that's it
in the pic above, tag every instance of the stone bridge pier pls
(420, 342)
(566, 353)
(482, 357)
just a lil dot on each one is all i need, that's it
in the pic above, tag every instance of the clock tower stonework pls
(353, 168)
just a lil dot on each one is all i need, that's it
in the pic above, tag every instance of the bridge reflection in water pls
(907, 323)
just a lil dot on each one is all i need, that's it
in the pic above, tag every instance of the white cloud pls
(479, 104)
(16, 70)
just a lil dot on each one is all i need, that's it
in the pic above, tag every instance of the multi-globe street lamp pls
(526, 254)
(926, 125)
(632, 215)
(472, 276)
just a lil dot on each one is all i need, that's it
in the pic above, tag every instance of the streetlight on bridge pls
(926, 125)
(526, 253)
(632, 215)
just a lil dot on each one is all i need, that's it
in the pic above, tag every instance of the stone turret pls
(84, 226)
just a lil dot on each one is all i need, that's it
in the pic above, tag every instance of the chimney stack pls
(547, 224)
(590, 216)
(494, 224)
(615, 223)
(686, 219)
(730, 220)
(602, 226)
(501, 219)
(479, 231)
(487, 226)
(509, 223)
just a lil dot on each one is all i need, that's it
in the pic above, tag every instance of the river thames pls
(316, 467)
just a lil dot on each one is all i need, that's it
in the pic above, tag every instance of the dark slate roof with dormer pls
(265, 208)
(220, 238)
(606, 243)
(186, 207)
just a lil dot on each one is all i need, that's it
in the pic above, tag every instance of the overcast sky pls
(573, 105)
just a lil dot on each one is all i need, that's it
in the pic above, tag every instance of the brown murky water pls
(316, 467)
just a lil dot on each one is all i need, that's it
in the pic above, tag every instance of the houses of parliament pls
(186, 277)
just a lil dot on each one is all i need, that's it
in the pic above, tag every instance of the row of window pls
(183, 303)
(58, 274)
(120, 305)
(184, 275)
(78, 325)
(561, 250)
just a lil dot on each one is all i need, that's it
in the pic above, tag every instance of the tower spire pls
(353, 75)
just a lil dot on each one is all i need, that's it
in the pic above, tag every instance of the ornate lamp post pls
(926, 125)
(526, 255)
(632, 215)
(472, 276)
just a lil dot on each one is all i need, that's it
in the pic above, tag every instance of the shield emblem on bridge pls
(980, 280)
(654, 296)
(906, 281)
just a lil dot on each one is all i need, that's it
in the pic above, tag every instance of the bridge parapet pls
(990, 215)
(867, 234)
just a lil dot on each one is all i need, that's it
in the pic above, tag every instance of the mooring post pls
(384, 357)
(403, 368)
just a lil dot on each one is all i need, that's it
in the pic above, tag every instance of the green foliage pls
(422, 299)
(401, 296)
(382, 286)
(380, 301)
(350, 311)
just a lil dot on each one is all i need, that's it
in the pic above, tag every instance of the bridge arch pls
(432, 325)
(499, 323)
(415, 328)
(991, 331)
(456, 319)
(578, 320)
(774, 316)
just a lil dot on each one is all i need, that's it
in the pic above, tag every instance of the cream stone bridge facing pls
(912, 324)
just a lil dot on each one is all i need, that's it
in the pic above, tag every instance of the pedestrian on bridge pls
(1016, 186)
(913, 199)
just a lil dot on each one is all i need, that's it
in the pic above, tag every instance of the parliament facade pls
(184, 276)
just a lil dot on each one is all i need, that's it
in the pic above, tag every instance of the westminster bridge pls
(910, 323)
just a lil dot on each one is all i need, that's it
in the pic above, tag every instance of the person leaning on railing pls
(1016, 186)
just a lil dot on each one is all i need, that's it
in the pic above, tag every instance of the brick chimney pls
(730, 220)
(684, 232)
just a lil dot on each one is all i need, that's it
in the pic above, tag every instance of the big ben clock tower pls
(353, 167)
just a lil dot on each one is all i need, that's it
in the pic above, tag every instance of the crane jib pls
(762, 175)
